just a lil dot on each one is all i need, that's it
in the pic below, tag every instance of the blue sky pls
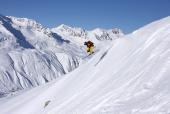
(127, 15)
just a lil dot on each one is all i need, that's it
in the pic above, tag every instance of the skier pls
(90, 47)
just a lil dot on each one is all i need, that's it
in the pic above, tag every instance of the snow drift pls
(130, 76)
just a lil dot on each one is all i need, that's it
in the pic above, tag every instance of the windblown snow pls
(130, 75)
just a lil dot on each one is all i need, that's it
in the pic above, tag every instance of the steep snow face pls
(6, 38)
(131, 76)
(80, 35)
(31, 55)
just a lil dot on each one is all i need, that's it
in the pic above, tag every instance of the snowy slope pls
(131, 76)
(31, 55)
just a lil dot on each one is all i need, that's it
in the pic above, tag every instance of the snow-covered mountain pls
(130, 76)
(31, 54)
(80, 35)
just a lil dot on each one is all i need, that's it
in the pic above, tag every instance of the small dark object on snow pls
(46, 103)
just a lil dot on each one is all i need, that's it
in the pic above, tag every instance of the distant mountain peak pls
(68, 28)
(63, 26)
